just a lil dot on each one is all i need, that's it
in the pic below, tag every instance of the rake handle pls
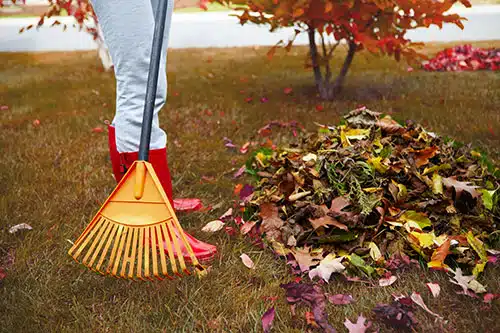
(152, 84)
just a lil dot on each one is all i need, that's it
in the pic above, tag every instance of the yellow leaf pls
(279, 248)
(437, 183)
(376, 162)
(357, 134)
(374, 251)
(297, 196)
(379, 145)
(343, 138)
(438, 265)
(425, 240)
(373, 189)
(479, 268)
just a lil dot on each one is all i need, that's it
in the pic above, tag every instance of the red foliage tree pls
(378, 26)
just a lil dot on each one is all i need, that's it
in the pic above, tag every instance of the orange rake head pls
(128, 236)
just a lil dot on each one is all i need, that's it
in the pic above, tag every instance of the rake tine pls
(180, 257)
(139, 254)
(154, 250)
(170, 250)
(106, 248)
(86, 239)
(119, 234)
(103, 227)
(132, 257)
(120, 250)
(101, 243)
(126, 257)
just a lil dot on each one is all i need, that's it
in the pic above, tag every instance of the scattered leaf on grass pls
(340, 299)
(239, 172)
(397, 315)
(434, 288)
(488, 298)
(359, 326)
(189, 204)
(213, 226)
(244, 148)
(247, 261)
(227, 214)
(312, 296)
(417, 299)
(18, 227)
(466, 282)
(247, 226)
(267, 320)
(384, 282)
(2, 274)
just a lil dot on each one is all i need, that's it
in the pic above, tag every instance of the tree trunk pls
(339, 82)
(318, 79)
(328, 90)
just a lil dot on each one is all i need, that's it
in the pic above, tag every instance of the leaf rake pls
(127, 236)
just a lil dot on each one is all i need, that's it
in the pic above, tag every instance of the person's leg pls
(128, 31)
(128, 27)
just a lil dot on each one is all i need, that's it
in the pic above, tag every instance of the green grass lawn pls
(54, 177)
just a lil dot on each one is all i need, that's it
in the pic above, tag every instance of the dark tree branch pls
(326, 60)
(339, 82)
(314, 56)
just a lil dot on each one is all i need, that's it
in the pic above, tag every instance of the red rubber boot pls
(158, 158)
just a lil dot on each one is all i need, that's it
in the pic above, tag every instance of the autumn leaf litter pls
(367, 198)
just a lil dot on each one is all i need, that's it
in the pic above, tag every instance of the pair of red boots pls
(121, 162)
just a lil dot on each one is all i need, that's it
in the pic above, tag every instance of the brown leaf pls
(327, 220)
(312, 296)
(338, 204)
(271, 222)
(461, 186)
(389, 125)
(247, 226)
(439, 255)
(422, 156)
(305, 259)
(340, 299)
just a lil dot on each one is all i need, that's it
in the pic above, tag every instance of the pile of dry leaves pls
(464, 58)
(369, 197)
(371, 189)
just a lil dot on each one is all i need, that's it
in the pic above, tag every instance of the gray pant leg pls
(128, 27)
